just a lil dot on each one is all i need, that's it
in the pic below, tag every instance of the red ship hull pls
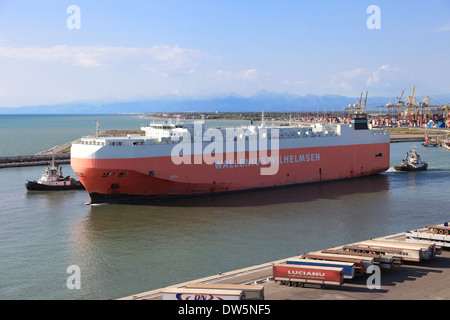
(124, 179)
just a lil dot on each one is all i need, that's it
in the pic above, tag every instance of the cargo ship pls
(184, 158)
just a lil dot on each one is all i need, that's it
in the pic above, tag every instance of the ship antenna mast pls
(97, 129)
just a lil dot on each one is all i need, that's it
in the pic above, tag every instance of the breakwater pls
(406, 139)
(34, 160)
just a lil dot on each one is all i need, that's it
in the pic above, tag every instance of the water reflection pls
(265, 197)
(252, 212)
(53, 200)
(194, 237)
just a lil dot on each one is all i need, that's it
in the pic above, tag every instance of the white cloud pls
(353, 73)
(166, 57)
(37, 75)
(224, 75)
(249, 74)
(82, 56)
(361, 78)
(374, 78)
(244, 75)
(65, 73)
(336, 82)
(294, 83)
(443, 29)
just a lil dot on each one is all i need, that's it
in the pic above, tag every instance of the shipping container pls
(296, 275)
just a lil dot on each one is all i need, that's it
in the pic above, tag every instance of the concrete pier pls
(34, 160)
(424, 280)
(407, 139)
(61, 154)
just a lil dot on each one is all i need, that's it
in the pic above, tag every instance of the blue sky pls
(135, 49)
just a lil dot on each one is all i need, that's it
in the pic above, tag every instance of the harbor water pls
(122, 250)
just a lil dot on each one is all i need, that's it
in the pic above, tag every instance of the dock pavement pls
(424, 280)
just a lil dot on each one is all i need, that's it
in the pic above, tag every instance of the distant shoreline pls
(398, 134)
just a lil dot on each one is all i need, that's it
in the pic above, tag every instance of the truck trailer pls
(250, 292)
(173, 293)
(298, 275)
(349, 268)
(416, 250)
(362, 263)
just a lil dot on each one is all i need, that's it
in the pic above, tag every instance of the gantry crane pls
(359, 105)
(428, 109)
(417, 112)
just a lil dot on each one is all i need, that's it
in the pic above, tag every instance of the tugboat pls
(53, 179)
(412, 162)
(428, 142)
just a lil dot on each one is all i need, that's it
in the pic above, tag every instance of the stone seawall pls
(34, 160)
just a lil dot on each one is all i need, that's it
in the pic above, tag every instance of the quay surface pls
(424, 280)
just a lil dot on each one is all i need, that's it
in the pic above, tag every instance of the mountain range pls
(230, 102)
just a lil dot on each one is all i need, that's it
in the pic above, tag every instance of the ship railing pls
(118, 136)
(171, 122)
(379, 131)
(92, 142)
(130, 139)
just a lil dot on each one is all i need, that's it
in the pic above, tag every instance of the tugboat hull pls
(35, 186)
(412, 162)
(411, 168)
(430, 144)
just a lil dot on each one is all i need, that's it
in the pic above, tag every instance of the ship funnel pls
(359, 121)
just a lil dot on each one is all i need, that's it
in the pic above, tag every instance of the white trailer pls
(395, 255)
(427, 251)
(440, 229)
(375, 256)
(409, 251)
(439, 240)
(363, 261)
(173, 293)
(250, 292)
(381, 259)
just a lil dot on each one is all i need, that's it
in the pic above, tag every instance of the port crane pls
(359, 105)
(403, 107)
(436, 108)
(418, 112)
